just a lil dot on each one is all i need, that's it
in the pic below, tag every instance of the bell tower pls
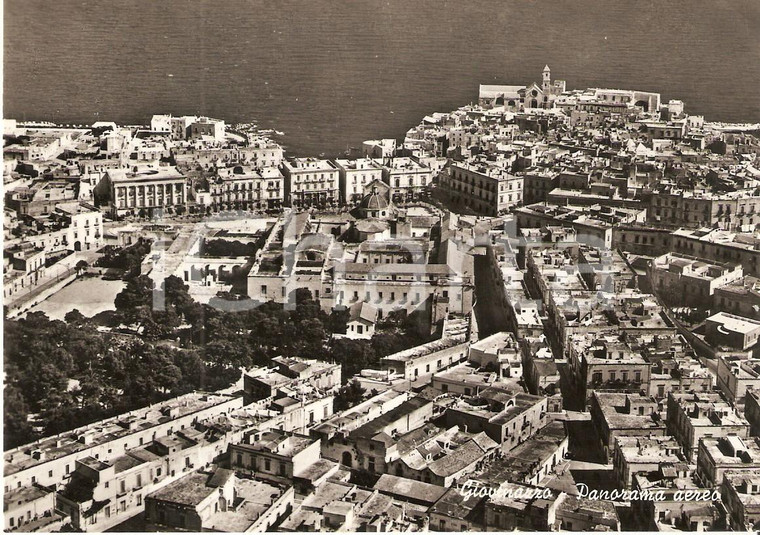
(547, 78)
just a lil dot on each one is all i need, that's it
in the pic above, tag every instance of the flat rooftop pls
(520, 463)
(495, 342)
(257, 497)
(409, 488)
(372, 428)
(20, 496)
(110, 429)
(279, 443)
(734, 323)
(189, 490)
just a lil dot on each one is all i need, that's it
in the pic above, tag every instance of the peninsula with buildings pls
(546, 292)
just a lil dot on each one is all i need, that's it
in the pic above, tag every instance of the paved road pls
(572, 400)
(491, 317)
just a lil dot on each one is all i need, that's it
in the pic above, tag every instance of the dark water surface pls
(331, 74)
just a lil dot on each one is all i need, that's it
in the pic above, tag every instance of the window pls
(139, 499)
(267, 464)
(123, 485)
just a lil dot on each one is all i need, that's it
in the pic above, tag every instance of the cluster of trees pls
(128, 259)
(68, 373)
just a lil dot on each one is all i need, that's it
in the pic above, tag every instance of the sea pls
(330, 74)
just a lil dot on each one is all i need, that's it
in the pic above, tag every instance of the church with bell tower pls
(515, 98)
(547, 79)
(543, 96)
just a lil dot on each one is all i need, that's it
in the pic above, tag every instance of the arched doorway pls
(346, 459)
(77, 246)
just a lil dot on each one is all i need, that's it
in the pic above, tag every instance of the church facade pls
(517, 98)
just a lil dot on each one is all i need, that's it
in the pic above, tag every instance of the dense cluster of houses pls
(587, 260)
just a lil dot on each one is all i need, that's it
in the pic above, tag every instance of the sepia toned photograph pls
(381, 266)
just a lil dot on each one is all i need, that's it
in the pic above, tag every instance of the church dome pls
(373, 201)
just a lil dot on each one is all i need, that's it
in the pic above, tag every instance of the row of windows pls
(141, 203)
(306, 176)
(161, 188)
(321, 186)
(242, 186)
(597, 377)
(220, 197)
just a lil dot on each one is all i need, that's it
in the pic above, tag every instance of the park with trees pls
(160, 343)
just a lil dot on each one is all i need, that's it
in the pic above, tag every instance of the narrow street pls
(491, 317)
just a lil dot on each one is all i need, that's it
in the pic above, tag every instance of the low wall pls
(40, 293)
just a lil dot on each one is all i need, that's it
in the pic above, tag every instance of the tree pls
(176, 293)
(193, 370)
(338, 321)
(41, 384)
(74, 317)
(16, 427)
(349, 395)
(81, 266)
(137, 293)
(158, 324)
(228, 353)
(353, 355)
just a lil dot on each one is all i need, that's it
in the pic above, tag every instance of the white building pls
(311, 182)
